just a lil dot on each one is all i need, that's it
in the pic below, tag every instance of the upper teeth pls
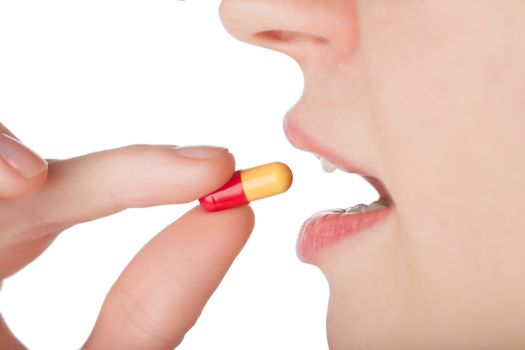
(328, 166)
(382, 203)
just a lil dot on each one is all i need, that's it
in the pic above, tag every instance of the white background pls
(82, 76)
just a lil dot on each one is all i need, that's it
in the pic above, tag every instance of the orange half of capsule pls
(249, 185)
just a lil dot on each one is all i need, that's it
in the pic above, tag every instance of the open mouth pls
(383, 202)
(329, 227)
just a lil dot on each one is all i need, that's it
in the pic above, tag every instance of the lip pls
(326, 229)
(304, 141)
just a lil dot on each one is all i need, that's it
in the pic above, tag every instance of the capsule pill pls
(249, 185)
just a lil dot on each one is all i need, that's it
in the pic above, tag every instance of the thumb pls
(22, 171)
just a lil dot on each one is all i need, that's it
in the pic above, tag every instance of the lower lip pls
(324, 230)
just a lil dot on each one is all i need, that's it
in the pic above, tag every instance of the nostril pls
(286, 36)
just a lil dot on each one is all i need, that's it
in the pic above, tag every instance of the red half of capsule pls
(228, 196)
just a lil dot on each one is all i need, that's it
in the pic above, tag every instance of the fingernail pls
(21, 158)
(200, 152)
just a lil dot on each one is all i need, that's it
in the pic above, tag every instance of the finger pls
(7, 338)
(162, 292)
(103, 183)
(5, 130)
(22, 171)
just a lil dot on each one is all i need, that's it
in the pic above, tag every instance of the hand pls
(162, 291)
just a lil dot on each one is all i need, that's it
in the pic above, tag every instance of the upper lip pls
(300, 139)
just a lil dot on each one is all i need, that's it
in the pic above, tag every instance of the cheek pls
(447, 111)
(447, 97)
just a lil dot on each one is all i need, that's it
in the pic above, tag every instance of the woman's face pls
(428, 96)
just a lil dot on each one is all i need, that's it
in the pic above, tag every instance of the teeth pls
(357, 208)
(363, 207)
(382, 203)
(328, 166)
(329, 211)
(376, 206)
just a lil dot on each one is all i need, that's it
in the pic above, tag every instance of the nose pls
(309, 31)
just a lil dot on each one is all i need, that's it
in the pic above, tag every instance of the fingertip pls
(220, 170)
(244, 217)
(240, 220)
(143, 175)
(13, 185)
(22, 171)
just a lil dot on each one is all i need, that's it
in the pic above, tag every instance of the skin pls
(428, 96)
(155, 301)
